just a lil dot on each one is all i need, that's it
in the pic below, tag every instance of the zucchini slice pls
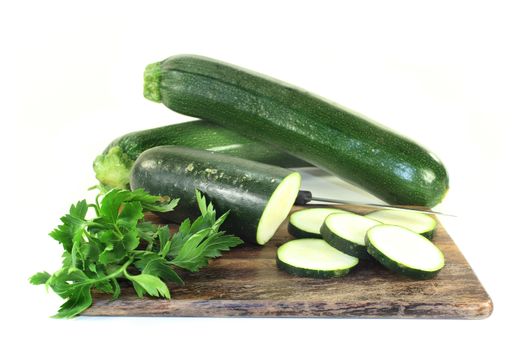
(420, 223)
(306, 223)
(311, 257)
(403, 251)
(346, 232)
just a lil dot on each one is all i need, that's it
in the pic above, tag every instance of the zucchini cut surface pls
(311, 257)
(278, 207)
(306, 223)
(404, 251)
(420, 223)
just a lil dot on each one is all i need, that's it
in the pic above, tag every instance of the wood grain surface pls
(246, 282)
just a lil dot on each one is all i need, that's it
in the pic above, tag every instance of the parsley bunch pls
(119, 244)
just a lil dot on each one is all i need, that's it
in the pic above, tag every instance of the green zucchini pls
(344, 143)
(306, 223)
(311, 257)
(420, 223)
(258, 196)
(346, 232)
(113, 166)
(403, 251)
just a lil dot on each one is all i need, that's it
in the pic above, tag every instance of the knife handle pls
(303, 197)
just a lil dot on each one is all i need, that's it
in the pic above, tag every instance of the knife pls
(304, 197)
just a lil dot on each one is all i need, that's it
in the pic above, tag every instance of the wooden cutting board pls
(246, 282)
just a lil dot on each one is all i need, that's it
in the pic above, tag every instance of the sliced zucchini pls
(311, 257)
(420, 223)
(346, 232)
(306, 223)
(404, 251)
(278, 207)
(258, 196)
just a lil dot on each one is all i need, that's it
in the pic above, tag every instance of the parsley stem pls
(96, 207)
(117, 230)
(117, 273)
(94, 224)
(121, 270)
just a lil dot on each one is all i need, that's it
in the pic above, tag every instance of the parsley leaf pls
(39, 278)
(119, 244)
(149, 284)
(199, 247)
(153, 264)
(73, 224)
(196, 243)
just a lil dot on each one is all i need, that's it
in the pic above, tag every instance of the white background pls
(447, 74)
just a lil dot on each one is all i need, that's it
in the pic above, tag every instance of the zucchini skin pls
(343, 245)
(342, 142)
(429, 234)
(297, 271)
(112, 167)
(298, 233)
(240, 186)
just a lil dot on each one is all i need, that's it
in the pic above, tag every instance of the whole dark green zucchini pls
(338, 140)
(259, 196)
(113, 166)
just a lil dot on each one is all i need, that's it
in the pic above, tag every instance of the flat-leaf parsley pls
(118, 243)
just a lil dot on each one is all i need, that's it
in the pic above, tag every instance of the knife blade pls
(304, 197)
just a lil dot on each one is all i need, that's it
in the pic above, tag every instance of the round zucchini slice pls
(420, 223)
(306, 223)
(346, 232)
(404, 251)
(311, 257)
